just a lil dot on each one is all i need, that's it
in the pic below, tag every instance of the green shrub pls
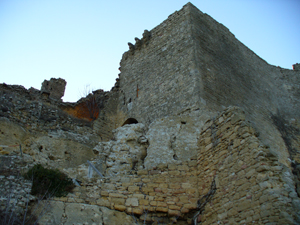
(49, 182)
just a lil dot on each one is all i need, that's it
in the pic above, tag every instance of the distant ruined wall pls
(35, 112)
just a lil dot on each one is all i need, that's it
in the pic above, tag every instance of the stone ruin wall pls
(153, 74)
(253, 182)
(54, 88)
(251, 185)
(13, 187)
(109, 117)
(36, 110)
(193, 62)
(29, 109)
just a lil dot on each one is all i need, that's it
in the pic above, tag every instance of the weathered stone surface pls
(77, 213)
(11, 134)
(126, 152)
(132, 202)
(54, 87)
(175, 136)
(81, 213)
(112, 217)
(59, 152)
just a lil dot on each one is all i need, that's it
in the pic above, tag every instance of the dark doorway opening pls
(130, 121)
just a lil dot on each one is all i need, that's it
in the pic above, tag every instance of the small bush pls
(49, 182)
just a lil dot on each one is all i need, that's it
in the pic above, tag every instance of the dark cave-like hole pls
(130, 121)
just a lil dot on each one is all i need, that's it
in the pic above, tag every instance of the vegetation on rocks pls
(49, 182)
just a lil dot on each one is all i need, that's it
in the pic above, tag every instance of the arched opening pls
(130, 121)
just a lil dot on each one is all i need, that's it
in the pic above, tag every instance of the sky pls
(82, 41)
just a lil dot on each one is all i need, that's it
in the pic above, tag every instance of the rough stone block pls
(103, 202)
(174, 213)
(192, 163)
(143, 202)
(161, 209)
(142, 172)
(117, 195)
(209, 146)
(133, 188)
(120, 207)
(161, 204)
(157, 190)
(147, 189)
(153, 203)
(139, 196)
(186, 185)
(118, 201)
(172, 167)
(184, 210)
(265, 213)
(174, 186)
(132, 202)
(137, 211)
(174, 207)
(159, 180)
(146, 180)
(190, 206)
(162, 185)
(174, 173)
(243, 205)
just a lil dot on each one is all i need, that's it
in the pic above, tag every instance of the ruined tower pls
(190, 61)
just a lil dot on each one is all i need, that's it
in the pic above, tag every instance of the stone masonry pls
(193, 62)
(55, 88)
(252, 186)
(197, 130)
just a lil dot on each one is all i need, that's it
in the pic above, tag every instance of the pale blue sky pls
(83, 41)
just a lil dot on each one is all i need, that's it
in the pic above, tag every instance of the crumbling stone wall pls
(251, 185)
(244, 173)
(14, 189)
(29, 109)
(193, 62)
(55, 88)
(109, 117)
